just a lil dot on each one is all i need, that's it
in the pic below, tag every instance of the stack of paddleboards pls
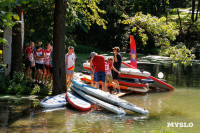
(81, 95)
(134, 79)
(104, 99)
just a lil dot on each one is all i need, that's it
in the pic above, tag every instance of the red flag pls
(133, 54)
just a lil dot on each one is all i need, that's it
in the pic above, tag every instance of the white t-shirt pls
(39, 53)
(108, 67)
(70, 61)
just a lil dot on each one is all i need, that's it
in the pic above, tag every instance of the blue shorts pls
(99, 76)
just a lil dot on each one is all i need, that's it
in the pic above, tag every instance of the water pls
(182, 105)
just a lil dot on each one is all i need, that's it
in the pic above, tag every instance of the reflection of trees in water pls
(4, 116)
(179, 76)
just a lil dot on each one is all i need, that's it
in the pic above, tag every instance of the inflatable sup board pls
(77, 102)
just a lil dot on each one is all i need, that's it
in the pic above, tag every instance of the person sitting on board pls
(92, 72)
(98, 62)
(46, 73)
(69, 65)
(117, 64)
(39, 56)
(109, 78)
(29, 60)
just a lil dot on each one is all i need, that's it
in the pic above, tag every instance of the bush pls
(3, 84)
(21, 86)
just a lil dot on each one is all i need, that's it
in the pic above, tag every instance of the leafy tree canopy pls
(163, 34)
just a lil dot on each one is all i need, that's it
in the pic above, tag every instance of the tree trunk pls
(194, 19)
(59, 79)
(16, 59)
(165, 9)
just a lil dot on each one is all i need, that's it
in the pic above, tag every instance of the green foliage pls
(85, 49)
(162, 33)
(87, 9)
(179, 53)
(156, 27)
(3, 83)
(39, 21)
(7, 17)
(21, 86)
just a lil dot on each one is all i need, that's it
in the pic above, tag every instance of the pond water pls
(182, 105)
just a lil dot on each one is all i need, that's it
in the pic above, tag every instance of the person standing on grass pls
(29, 60)
(109, 78)
(39, 56)
(51, 63)
(46, 73)
(92, 72)
(69, 65)
(38, 44)
(117, 64)
(98, 62)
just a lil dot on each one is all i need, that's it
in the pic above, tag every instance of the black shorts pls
(115, 75)
(28, 63)
(51, 70)
(39, 66)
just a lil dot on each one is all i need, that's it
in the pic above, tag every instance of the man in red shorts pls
(98, 62)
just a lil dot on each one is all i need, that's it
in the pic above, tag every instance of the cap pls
(117, 48)
(92, 54)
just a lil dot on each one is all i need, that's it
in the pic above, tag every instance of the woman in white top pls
(69, 65)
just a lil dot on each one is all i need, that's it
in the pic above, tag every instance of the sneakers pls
(118, 91)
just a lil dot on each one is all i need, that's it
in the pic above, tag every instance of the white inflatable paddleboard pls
(54, 101)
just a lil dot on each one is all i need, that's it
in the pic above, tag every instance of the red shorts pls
(47, 66)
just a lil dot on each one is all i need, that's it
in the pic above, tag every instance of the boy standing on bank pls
(69, 65)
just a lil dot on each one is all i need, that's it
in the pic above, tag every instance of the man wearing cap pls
(98, 62)
(117, 64)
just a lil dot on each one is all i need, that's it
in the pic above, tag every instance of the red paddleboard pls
(131, 84)
(138, 89)
(160, 84)
(77, 102)
(132, 76)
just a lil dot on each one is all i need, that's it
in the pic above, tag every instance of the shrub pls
(21, 86)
